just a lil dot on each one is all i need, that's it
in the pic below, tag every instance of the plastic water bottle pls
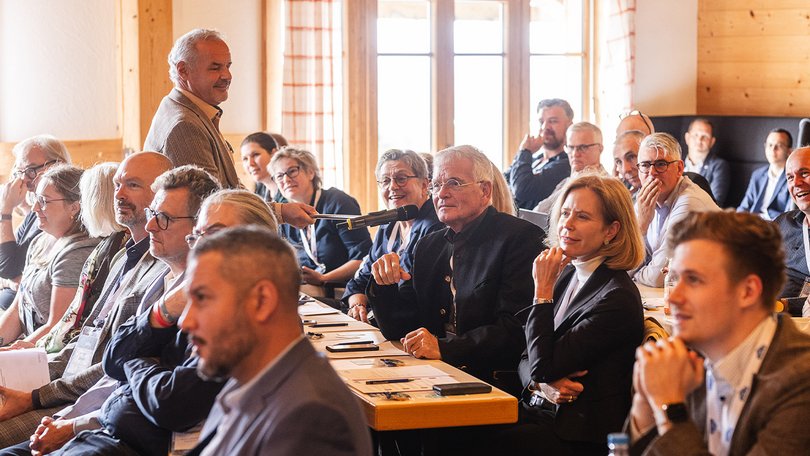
(669, 284)
(618, 444)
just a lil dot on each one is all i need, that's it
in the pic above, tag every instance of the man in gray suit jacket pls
(186, 125)
(751, 392)
(132, 272)
(243, 322)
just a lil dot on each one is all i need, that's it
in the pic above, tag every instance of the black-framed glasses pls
(400, 180)
(162, 219)
(32, 171)
(579, 148)
(659, 165)
(292, 172)
(636, 112)
(195, 236)
(451, 184)
(43, 202)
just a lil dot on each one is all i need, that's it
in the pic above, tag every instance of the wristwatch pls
(676, 412)
(5, 217)
(537, 301)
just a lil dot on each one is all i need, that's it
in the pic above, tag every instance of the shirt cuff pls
(88, 422)
(35, 399)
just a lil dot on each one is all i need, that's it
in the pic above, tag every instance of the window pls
(433, 73)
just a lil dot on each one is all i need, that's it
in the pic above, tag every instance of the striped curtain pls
(617, 59)
(312, 85)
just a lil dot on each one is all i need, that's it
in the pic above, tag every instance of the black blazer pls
(493, 281)
(600, 332)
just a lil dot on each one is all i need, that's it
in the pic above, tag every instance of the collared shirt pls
(728, 384)
(770, 187)
(692, 166)
(212, 112)
(231, 399)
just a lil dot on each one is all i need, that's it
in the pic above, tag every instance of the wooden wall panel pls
(753, 57)
(83, 153)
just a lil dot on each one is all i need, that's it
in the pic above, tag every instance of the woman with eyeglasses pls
(54, 260)
(402, 177)
(326, 252)
(257, 149)
(583, 326)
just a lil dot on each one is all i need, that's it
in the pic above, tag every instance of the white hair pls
(185, 49)
(53, 148)
(98, 193)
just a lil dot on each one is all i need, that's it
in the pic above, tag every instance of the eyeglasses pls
(636, 112)
(399, 180)
(579, 148)
(162, 219)
(195, 236)
(292, 172)
(451, 184)
(43, 202)
(32, 171)
(659, 165)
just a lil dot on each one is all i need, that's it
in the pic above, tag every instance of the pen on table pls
(327, 325)
(393, 380)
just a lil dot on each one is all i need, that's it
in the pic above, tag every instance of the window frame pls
(360, 76)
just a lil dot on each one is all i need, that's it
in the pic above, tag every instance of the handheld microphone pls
(804, 133)
(399, 214)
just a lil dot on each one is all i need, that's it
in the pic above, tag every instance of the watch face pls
(676, 413)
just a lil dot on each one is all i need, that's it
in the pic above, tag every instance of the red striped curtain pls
(312, 85)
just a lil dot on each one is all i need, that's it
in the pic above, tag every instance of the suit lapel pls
(562, 283)
(585, 297)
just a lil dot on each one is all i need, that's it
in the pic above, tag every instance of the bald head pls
(133, 192)
(797, 172)
(638, 121)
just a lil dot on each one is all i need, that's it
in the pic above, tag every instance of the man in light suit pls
(243, 322)
(131, 275)
(665, 197)
(767, 192)
(186, 125)
(750, 393)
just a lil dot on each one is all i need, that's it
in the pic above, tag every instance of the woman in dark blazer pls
(326, 252)
(585, 322)
(402, 176)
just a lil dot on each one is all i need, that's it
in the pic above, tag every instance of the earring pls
(607, 241)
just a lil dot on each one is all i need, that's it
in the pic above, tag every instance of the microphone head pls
(804, 133)
(408, 212)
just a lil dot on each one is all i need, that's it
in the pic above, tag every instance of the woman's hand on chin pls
(545, 270)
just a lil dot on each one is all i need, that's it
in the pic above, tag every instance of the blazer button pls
(442, 312)
(447, 279)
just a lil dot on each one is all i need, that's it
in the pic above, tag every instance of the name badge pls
(183, 442)
(82, 357)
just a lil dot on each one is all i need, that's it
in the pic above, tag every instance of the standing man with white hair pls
(33, 156)
(186, 125)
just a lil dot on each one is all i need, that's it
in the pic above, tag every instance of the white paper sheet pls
(24, 370)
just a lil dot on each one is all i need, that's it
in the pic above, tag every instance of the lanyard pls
(396, 236)
(308, 238)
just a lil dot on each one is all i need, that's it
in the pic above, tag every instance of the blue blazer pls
(753, 200)
(426, 222)
(718, 172)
